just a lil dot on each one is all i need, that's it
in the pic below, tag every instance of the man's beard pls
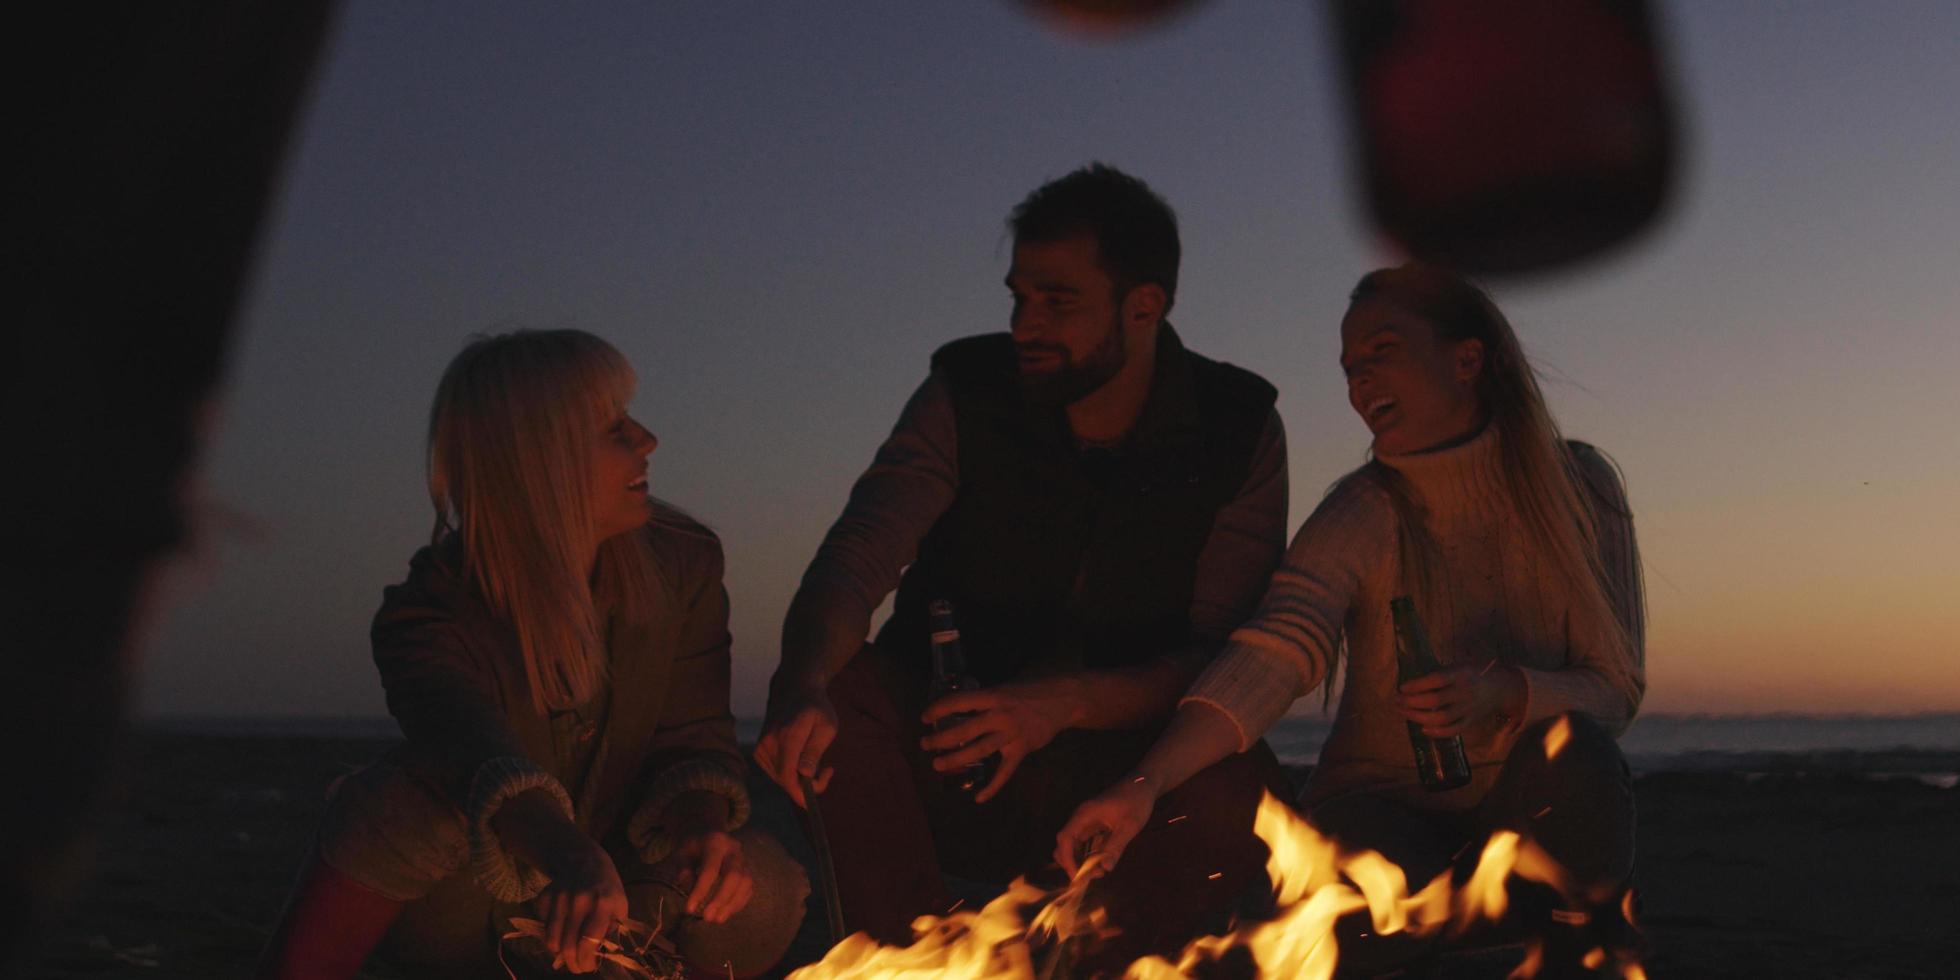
(1072, 382)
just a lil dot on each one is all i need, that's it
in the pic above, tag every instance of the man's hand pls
(796, 731)
(1455, 700)
(1103, 826)
(1012, 719)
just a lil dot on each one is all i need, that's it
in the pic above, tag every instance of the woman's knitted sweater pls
(1494, 597)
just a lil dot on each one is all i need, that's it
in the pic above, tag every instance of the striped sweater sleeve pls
(1287, 648)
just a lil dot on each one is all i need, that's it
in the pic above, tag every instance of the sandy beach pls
(1800, 865)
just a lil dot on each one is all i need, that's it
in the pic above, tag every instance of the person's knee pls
(755, 938)
(1567, 747)
(391, 834)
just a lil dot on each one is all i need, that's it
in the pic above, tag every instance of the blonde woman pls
(1518, 548)
(558, 659)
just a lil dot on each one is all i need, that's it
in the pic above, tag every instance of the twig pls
(826, 869)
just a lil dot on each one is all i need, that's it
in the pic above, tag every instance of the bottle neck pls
(947, 659)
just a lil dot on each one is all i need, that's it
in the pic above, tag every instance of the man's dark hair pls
(1135, 231)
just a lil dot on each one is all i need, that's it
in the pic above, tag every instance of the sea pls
(1921, 747)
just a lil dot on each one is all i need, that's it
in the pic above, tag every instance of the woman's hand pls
(585, 896)
(581, 904)
(712, 870)
(714, 874)
(1455, 700)
(1104, 825)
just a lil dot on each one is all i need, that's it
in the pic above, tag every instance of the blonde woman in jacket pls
(558, 659)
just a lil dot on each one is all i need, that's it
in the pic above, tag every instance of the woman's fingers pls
(1099, 827)
(558, 909)
(734, 892)
(580, 906)
(1071, 836)
(720, 855)
(592, 932)
(571, 920)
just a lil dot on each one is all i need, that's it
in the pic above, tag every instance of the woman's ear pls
(1469, 359)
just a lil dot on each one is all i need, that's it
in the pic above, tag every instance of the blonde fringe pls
(510, 437)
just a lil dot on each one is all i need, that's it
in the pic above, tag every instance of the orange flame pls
(1315, 883)
(1556, 737)
(1534, 960)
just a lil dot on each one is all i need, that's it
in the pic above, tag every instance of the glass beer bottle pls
(1439, 761)
(949, 676)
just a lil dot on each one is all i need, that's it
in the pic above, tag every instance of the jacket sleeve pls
(1244, 547)
(912, 480)
(441, 694)
(1606, 677)
(694, 745)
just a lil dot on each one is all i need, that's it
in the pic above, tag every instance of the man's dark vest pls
(1056, 557)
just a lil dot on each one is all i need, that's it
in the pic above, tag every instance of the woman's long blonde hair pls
(512, 436)
(1545, 483)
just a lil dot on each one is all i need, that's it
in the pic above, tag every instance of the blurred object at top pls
(1106, 18)
(1508, 136)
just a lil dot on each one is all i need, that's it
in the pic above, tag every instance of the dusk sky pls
(777, 211)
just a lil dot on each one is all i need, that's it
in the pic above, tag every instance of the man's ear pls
(1469, 358)
(1144, 305)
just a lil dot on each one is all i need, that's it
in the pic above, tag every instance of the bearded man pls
(1101, 506)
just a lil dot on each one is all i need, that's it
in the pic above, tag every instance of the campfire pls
(1315, 882)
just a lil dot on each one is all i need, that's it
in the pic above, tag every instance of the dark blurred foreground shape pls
(152, 136)
(1507, 136)
(1107, 17)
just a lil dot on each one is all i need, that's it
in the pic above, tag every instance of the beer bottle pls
(949, 676)
(1439, 761)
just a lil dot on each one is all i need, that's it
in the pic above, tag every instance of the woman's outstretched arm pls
(1283, 652)
(1199, 735)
